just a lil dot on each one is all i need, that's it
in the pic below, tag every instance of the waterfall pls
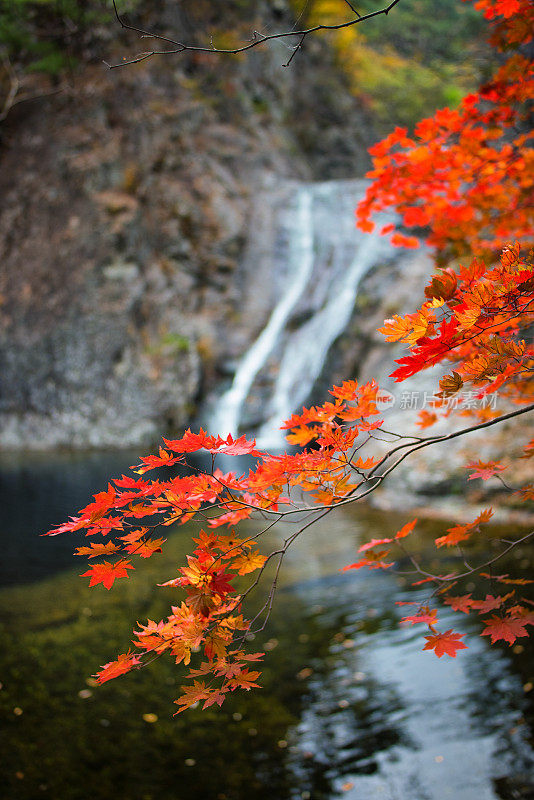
(324, 259)
(300, 255)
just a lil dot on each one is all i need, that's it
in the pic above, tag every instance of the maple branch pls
(317, 512)
(371, 476)
(257, 38)
(471, 570)
(295, 51)
(377, 480)
(268, 605)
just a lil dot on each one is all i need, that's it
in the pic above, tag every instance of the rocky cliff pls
(126, 204)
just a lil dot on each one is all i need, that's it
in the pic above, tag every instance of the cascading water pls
(324, 259)
(300, 259)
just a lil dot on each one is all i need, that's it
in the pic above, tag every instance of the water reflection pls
(384, 721)
(40, 491)
(351, 705)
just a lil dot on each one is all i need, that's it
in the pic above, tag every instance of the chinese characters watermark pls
(419, 400)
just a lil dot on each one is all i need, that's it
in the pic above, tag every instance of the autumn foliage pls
(466, 176)
(464, 179)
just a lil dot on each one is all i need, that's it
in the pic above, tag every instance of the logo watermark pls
(384, 400)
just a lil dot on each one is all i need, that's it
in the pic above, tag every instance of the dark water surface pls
(351, 707)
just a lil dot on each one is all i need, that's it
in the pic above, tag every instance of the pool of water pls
(351, 706)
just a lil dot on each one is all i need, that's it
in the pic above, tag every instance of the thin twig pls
(180, 47)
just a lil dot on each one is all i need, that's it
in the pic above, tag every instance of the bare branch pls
(352, 8)
(257, 38)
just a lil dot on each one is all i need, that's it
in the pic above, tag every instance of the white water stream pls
(324, 259)
(300, 255)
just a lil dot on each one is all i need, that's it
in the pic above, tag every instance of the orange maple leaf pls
(367, 464)
(426, 419)
(373, 560)
(429, 617)
(95, 550)
(445, 643)
(396, 328)
(302, 435)
(400, 240)
(192, 694)
(145, 549)
(107, 573)
(245, 680)
(406, 529)
(462, 532)
(248, 562)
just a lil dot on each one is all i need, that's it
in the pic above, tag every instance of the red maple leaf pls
(237, 447)
(220, 582)
(124, 663)
(490, 603)
(104, 526)
(190, 442)
(372, 543)
(106, 572)
(507, 628)
(461, 603)
(445, 643)
(74, 524)
(483, 469)
(426, 616)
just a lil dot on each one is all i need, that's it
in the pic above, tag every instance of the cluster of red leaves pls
(209, 620)
(467, 174)
(474, 318)
(468, 183)
(373, 558)
(482, 313)
(512, 619)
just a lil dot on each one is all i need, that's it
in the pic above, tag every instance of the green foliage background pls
(43, 35)
(424, 55)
